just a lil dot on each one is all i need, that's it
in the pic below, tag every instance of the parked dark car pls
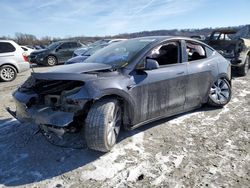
(101, 42)
(85, 55)
(127, 84)
(93, 48)
(55, 53)
(234, 46)
(198, 37)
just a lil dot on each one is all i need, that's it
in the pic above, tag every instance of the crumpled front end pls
(54, 103)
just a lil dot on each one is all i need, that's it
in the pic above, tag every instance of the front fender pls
(128, 100)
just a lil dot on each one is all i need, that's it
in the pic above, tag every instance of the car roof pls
(163, 38)
(226, 31)
(6, 40)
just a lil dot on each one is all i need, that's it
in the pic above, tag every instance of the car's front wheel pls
(7, 73)
(102, 125)
(220, 93)
(51, 60)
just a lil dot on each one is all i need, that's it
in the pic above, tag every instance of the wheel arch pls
(53, 56)
(11, 66)
(128, 106)
(248, 53)
(225, 76)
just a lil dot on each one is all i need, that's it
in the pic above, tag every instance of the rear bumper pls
(23, 66)
(37, 60)
(236, 62)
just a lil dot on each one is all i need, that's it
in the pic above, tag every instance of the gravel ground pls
(204, 148)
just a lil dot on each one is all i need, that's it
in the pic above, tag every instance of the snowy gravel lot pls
(204, 148)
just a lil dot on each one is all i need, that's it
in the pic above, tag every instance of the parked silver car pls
(13, 60)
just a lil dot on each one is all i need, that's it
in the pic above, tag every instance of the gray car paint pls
(147, 94)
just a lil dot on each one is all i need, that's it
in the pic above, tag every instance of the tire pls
(220, 93)
(102, 125)
(51, 60)
(242, 71)
(7, 73)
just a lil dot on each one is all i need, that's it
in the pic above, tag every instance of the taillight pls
(25, 57)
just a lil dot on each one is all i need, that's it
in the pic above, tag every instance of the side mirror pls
(151, 64)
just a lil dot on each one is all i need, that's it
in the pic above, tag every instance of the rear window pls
(195, 51)
(209, 51)
(25, 49)
(73, 45)
(6, 47)
(65, 45)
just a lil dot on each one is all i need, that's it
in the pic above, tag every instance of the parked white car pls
(13, 60)
(27, 50)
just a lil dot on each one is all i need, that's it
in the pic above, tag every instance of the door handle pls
(180, 73)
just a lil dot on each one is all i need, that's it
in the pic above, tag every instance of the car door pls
(73, 47)
(201, 68)
(63, 52)
(160, 92)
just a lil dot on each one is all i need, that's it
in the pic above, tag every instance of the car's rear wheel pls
(7, 73)
(220, 93)
(244, 69)
(102, 125)
(51, 60)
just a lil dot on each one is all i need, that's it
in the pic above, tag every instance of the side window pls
(25, 49)
(6, 47)
(195, 51)
(73, 44)
(65, 45)
(222, 36)
(215, 36)
(166, 54)
(209, 51)
(79, 44)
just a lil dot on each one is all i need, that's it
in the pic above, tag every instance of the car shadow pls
(27, 157)
(147, 126)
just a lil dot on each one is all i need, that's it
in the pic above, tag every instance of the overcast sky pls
(63, 18)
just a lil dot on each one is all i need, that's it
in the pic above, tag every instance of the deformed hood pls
(77, 59)
(39, 51)
(72, 71)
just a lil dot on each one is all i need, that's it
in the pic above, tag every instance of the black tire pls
(51, 60)
(242, 71)
(100, 119)
(7, 73)
(225, 98)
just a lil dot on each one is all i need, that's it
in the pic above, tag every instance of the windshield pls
(91, 51)
(119, 54)
(53, 45)
(223, 36)
(99, 42)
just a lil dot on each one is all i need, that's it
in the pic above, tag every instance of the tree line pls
(29, 39)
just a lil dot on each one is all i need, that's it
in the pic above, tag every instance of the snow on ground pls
(205, 148)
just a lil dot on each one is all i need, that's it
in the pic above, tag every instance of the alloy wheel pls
(114, 127)
(220, 91)
(8, 73)
(51, 60)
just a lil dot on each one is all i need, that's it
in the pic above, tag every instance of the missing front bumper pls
(42, 116)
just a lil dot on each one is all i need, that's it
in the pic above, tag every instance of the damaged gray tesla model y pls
(125, 85)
